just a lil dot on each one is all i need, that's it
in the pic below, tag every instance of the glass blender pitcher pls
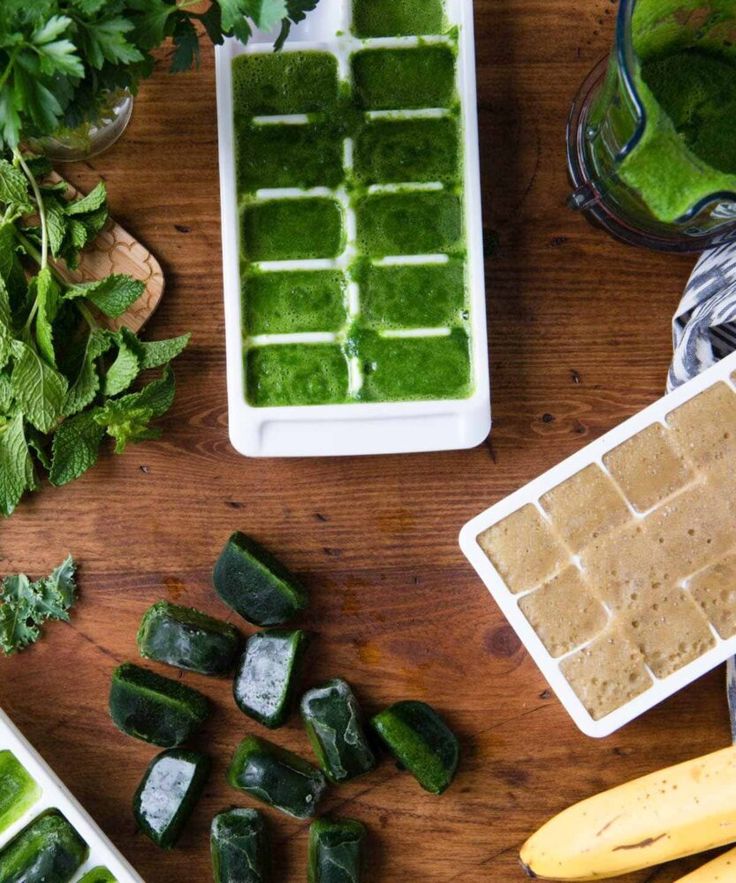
(651, 139)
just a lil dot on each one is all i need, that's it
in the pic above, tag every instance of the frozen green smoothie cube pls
(293, 229)
(98, 875)
(287, 155)
(188, 639)
(334, 724)
(168, 793)
(255, 585)
(413, 295)
(240, 847)
(389, 151)
(268, 675)
(18, 790)
(48, 850)
(421, 742)
(410, 368)
(268, 83)
(277, 777)
(394, 79)
(158, 710)
(415, 223)
(296, 374)
(336, 851)
(294, 302)
(397, 18)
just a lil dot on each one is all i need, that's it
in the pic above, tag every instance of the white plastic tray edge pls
(353, 429)
(54, 794)
(530, 493)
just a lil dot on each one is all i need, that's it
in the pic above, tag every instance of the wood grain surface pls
(580, 338)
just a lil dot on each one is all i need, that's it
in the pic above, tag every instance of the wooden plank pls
(580, 339)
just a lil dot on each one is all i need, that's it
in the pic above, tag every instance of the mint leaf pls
(87, 383)
(16, 466)
(112, 295)
(75, 447)
(48, 297)
(14, 187)
(155, 353)
(123, 370)
(6, 395)
(126, 423)
(93, 201)
(158, 395)
(57, 224)
(38, 388)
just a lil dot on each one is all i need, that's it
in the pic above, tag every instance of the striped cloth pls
(704, 331)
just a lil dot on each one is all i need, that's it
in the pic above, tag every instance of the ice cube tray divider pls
(55, 795)
(354, 428)
(531, 494)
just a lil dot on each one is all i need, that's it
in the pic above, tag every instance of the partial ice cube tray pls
(355, 428)
(40, 790)
(620, 562)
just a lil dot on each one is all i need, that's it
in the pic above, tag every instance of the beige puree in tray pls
(629, 572)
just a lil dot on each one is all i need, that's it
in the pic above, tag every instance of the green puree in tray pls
(356, 291)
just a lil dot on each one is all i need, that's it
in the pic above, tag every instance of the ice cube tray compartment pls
(364, 409)
(617, 568)
(50, 793)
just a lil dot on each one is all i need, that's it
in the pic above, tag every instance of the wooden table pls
(580, 339)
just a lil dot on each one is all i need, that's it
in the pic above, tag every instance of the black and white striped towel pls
(704, 331)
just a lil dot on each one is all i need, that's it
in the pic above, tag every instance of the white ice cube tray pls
(594, 453)
(354, 428)
(54, 795)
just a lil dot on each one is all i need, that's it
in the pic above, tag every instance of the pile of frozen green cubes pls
(167, 713)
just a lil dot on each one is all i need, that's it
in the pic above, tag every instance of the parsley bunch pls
(64, 379)
(60, 60)
(25, 606)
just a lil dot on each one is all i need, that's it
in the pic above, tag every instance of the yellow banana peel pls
(679, 811)
(720, 870)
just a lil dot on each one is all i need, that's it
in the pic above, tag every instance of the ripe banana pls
(680, 811)
(720, 870)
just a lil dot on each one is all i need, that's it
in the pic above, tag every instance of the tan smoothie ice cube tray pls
(617, 568)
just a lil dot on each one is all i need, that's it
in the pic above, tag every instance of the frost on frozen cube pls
(585, 507)
(607, 673)
(524, 549)
(268, 83)
(564, 612)
(292, 229)
(704, 428)
(389, 18)
(670, 632)
(715, 590)
(647, 468)
(398, 79)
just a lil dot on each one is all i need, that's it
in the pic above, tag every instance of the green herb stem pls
(9, 68)
(39, 203)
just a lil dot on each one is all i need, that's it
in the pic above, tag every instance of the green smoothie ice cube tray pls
(352, 234)
(43, 826)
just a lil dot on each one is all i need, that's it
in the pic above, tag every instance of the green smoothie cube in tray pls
(18, 791)
(285, 155)
(336, 850)
(45, 835)
(240, 847)
(397, 79)
(294, 302)
(352, 233)
(414, 296)
(270, 84)
(416, 150)
(293, 229)
(297, 374)
(397, 18)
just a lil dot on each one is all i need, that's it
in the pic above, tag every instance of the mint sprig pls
(66, 382)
